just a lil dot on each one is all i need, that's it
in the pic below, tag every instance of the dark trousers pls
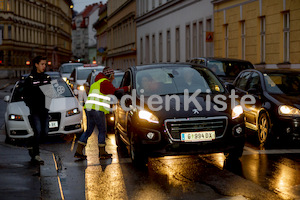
(40, 125)
(94, 118)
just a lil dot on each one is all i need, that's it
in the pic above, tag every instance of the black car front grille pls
(177, 126)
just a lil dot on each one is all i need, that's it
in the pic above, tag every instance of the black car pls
(277, 102)
(172, 126)
(226, 68)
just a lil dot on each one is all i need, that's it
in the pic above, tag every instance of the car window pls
(228, 68)
(242, 80)
(174, 80)
(68, 68)
(254, 82)
(117, 81)
(288, 84)
(18, 92)
(126, 79)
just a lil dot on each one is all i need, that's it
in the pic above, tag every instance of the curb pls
(5, 86)
(50, 182)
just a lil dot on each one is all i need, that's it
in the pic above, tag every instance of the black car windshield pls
(60, 87)
(174, 80)
(281, 83)
(228, 68)
(68, 68)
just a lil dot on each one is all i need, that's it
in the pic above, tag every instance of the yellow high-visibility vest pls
(96, 100)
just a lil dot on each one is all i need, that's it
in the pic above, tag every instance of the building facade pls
(101, 36)
(121, 30)
(265, 32)
(168, 32)
(83, 34)
(30, 28)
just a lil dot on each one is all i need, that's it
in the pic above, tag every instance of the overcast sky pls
(79, 5)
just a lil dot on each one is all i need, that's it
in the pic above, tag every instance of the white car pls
(80, 74)
(67, 68)
(65, 113)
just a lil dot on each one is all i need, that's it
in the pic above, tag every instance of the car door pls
(122, 114)
(254, 88)
(241, 88)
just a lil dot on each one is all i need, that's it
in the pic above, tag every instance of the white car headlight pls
(288, 111)
(65, 79)
(237, 111)
(148, 116)
(74, 111)
(80, 87)
(15, 117)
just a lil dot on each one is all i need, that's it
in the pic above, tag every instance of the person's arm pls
(108, 88)
(27, 92)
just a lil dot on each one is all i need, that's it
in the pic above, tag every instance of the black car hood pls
(287, 99)
(192, 110)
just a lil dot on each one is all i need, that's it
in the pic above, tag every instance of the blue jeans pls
(94, 118)
(40, 125)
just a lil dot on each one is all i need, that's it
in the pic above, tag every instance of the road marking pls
(58, 179)
(250, 151)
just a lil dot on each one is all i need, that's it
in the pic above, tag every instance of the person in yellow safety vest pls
(96, 106)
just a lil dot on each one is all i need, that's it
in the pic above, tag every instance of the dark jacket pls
(33, 96)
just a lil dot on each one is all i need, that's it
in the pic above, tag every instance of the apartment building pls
(265, 32)
(101, 27)
(30, 28)
(83, 34)
(121, 30)
(174, 31)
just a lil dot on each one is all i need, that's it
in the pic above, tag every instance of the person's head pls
(144, 81)
(188, 74)
(109, 73)
(39, 64)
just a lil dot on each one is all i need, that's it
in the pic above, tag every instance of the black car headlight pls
(15, 117)
(143, 114)
(74, 111)
(286, 110)
(237, 111)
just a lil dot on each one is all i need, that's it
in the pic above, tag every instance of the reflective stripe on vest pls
(96, 100)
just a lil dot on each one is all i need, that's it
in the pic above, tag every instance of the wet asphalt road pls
(260, 174)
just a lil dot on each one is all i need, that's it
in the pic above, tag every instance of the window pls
(160, 47)
(168, 46)
(243, 35)
(147, 49)
(242, 81)
(286, 37)
(153, 49)
(209, 47)
(200, 39)
(254, 82)
(194, 39)
(1, 33)
(9, 32)
(263, 39)
(8, 5)
(177, 44)
(226, 40)
(142, 57)
(2, 4)
(187, 43)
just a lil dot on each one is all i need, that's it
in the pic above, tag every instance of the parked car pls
(276, 111)
(67, 68)
(65, 112)
(176, 128)
(116, 83)
(226, 68)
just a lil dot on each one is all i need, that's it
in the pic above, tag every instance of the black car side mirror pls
(229, 86)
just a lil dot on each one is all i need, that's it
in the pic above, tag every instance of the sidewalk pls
(20, 178)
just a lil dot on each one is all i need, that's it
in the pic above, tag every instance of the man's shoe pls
(103, 154)
(38, 159)
(81, 156)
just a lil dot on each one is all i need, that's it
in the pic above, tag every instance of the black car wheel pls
(137, 156)
(263, 128)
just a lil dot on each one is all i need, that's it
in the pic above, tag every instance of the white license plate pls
(53, 124)
(198, 136)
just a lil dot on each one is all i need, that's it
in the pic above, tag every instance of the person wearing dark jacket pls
(96, 106)
(35, 100)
